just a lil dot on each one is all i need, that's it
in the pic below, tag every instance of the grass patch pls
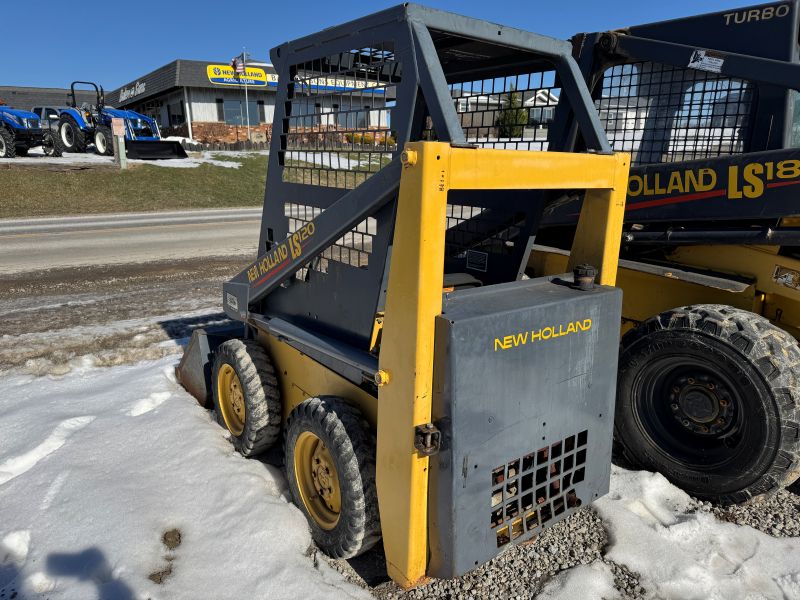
(31, 191)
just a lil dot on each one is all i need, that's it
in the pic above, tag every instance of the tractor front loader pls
(426, 393)
(709, 377)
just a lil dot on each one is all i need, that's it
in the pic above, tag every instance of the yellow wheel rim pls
(231, 399)
(317, 480)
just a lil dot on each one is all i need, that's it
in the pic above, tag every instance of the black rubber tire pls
(22, 150)
(351, 444)
(107, 138)
(79, 138)
(51, 145)
(262, 425)
(752, 365)
(9, 150)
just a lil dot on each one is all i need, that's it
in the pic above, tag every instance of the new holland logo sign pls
(225, 75)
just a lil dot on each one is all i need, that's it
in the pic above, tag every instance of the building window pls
(220, 110)
(235, 112)
(175, 114)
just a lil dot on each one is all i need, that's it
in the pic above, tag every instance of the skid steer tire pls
(246, 396)
(709, 396)
(7, 147)
(70, 135)
(330, 446)
(103, 141)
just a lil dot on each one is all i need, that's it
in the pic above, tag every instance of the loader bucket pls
(194, 370)
(154, 150)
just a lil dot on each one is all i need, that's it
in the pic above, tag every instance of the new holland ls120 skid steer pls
(709, 375)
(425, 392)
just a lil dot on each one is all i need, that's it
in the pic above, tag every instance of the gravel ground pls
(777, 515)
(520, 572)
(523, 571)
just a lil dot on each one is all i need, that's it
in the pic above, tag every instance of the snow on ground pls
(216, 158)
(584, 581)
(96, 466)
(685, 554)
(97, 463)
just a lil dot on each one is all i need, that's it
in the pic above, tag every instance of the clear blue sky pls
(114, 42)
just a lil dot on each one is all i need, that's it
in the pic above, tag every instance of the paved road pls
(61, 242)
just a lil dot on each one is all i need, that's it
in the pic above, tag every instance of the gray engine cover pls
(524, 388)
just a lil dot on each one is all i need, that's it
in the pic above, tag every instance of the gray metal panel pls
(541, 393)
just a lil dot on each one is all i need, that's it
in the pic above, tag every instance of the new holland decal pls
(225, 75)
(542, 334)
(738, 181)
(280, 256)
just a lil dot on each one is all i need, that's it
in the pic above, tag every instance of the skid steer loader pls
(709, 375)
(425, 392)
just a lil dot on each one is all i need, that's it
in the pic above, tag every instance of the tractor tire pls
(330, 464)
(22, 150)
(246, 396)
(103, 141)
(71, 137)
(7, 147)
(709, 396)
(51, 145)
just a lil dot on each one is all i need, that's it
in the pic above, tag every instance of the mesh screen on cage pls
(339, 126)
(661, 113)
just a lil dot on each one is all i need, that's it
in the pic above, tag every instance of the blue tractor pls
(79, 126)
(19, 131)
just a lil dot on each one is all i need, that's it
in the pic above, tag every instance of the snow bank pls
(37, 157)
(682, 554)
(96, 466)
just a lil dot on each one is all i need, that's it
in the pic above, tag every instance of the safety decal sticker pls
(786, 277)
(232, 301)
(707, 60)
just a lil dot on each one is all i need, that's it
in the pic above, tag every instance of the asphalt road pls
(63, 242)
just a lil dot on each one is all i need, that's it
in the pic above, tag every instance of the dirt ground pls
(110, 315)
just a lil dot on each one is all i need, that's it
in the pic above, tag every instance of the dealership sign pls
(133, 91)
(225, 75)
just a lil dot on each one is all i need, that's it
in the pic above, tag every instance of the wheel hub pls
(701, 404)
(318, 480)
(231, 399)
